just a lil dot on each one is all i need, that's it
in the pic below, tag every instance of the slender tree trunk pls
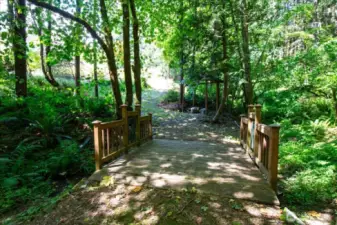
(95, 69)
(109, 51)
(127, 55)
(51, 80)
(182, 86)
(239, 50)
(136, 49)
(20, 47)
(246, 54)
(38, 24)
(95, 51)
(225, 71)
(77, 53)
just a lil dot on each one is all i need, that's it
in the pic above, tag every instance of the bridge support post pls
(250, 125)
(150, 128)
(257, 151)
(98, 144)
(125, 128)
(273, 156)
(138, 110)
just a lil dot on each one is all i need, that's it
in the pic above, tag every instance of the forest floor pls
(108, 202)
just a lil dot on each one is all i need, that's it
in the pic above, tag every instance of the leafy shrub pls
(308, 163)
(312, 186)
(171, 96)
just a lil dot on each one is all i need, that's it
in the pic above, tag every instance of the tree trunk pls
(19, 47)
(136, 48)
(95, 69)
(51, 80)
(182, 86)
(77, 51)
(225, 72)
(95, 51)
(109, 51)
(126, 50)
(246, 54)
(38, 25)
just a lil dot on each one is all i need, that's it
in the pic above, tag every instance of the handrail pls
(261, 143)
(116, 137)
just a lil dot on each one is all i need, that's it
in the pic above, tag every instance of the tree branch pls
(67, 15)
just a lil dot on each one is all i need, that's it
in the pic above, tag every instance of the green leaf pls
(4, 35)
(10, 182)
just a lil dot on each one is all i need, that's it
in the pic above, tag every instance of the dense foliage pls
(280, 53)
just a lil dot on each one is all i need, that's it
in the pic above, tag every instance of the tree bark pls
(246, 54)
(107, 47)
(111, 59)
(20, 47)
(225, 72)
(38, 25)
(95, 51)
(182, 86)
(127, 55)
(136, 49)
(77, 51)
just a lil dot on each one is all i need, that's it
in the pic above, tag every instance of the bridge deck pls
(221, 169)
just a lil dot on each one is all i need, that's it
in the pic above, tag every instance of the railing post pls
(241, 129)
(98, 144)
(249, 134)
(138, 110)
(273, 156)
(257, 153)
(150, 128)
(125, 128)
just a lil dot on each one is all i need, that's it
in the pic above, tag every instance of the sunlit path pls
(208, 167)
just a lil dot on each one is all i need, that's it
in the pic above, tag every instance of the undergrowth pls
(308, 147)
(46, 140)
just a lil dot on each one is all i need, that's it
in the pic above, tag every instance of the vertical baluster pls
(150, 135)
(108, 141)
(98, 144)
(273, 156)
(256, 135)
(125, 127)
(103, 143)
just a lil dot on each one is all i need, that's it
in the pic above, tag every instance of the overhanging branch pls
(67, 15)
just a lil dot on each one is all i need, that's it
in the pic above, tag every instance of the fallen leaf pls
(314, 214)
(198, 220)
(137, 189)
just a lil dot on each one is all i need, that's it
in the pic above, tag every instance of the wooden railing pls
(261, 142)
(114, 138)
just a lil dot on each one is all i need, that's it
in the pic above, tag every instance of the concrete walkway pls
(221, 169)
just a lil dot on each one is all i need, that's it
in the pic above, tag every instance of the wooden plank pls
(112, 124)
(132, 113)
(144, 118)
(113, 155)
(138, 108)
(245, 120)
(273, 156)
(125, 127)
(98, 144)
(251, 116)
(256, 133)
(206, 96)
(264, 129)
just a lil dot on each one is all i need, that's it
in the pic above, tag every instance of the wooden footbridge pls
(223, 169)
